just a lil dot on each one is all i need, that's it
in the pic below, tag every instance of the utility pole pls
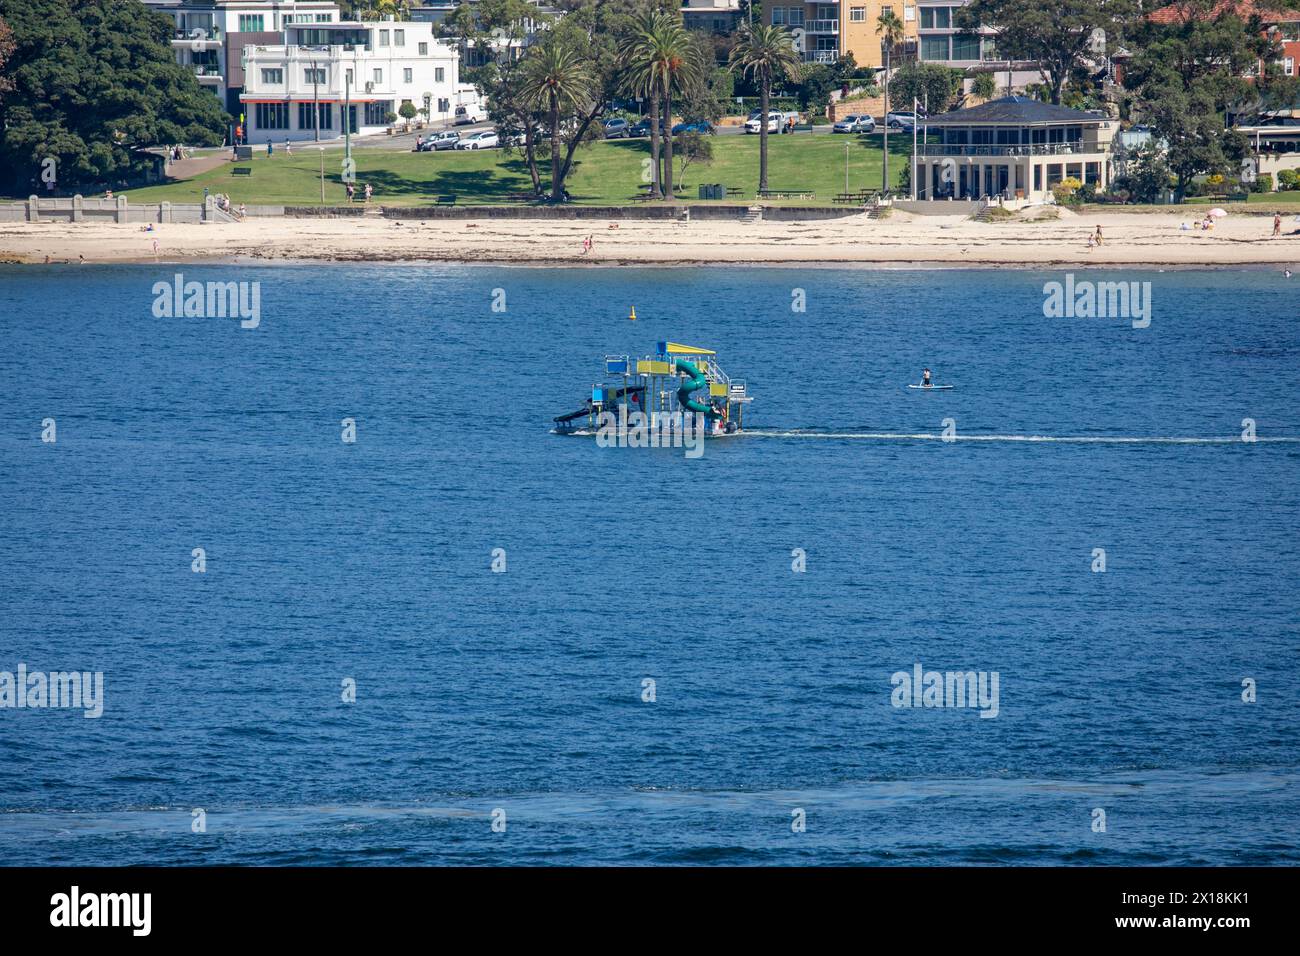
(915, 123)
(315, 101)
(322, 174)
(846, 167)
(347, 126)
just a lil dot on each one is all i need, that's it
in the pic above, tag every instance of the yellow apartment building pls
(827, 32)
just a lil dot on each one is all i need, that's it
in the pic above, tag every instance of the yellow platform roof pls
(675, 348)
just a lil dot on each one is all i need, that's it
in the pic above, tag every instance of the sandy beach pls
(1130, 239)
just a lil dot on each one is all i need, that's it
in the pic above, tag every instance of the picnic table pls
(787, 194)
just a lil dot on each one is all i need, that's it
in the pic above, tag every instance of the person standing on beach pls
(370, 191)
(1097, 237)
(1277, 224)
(352, 192)
(586, 245)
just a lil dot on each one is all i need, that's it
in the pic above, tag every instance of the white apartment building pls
(301, 87)
(211, 35)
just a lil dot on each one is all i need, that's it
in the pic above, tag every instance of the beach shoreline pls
(900, 241)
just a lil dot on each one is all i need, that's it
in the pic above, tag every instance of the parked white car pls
(774, 121)
(484, 139)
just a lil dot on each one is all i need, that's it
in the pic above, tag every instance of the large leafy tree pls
(558, 81)
(6, 51)
(92, 81)
(1058, 36)
(932, 85)
(589, 30)
(765, 54)
(1188, 74)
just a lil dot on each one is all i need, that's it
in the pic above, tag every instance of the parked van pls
(469, 114)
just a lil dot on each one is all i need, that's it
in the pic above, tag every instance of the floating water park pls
(676, 383)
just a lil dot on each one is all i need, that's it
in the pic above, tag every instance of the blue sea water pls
(523, 691)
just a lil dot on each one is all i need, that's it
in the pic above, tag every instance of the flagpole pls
(915, 123)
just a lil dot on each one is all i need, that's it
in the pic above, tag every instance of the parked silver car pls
(855, 123)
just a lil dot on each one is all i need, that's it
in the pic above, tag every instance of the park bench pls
(734, 191)
(241, 171)
(446, 200)
(787, 194)
(858, 197)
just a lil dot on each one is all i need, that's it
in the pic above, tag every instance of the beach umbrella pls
(1218, 213)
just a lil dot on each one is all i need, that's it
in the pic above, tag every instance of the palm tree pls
(765, 53)
(659, 57)
(890, 29)
(555, 77)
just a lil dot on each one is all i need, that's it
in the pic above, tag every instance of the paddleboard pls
(932, 388)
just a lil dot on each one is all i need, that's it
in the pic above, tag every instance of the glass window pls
(326, 116)
(857, 14)
(934, 48)
(406, 75)
(314, 75)
(273, 77)
(272, 115)
(438, 74)
(399, 38)
(943, 18)
(927, 18)
(965, 46)
(794, 16)
(251, 22)
(383, 38)
(424, 49)
(379, 76)
(778, 16)
(377, 113)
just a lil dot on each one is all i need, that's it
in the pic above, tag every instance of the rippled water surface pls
(523, 691)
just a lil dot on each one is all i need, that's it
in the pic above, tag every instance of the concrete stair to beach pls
(752, 215)
(219, 215)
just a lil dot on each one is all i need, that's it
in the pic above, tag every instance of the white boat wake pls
(1066, 439)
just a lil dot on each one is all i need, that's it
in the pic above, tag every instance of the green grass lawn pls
(606, 173)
